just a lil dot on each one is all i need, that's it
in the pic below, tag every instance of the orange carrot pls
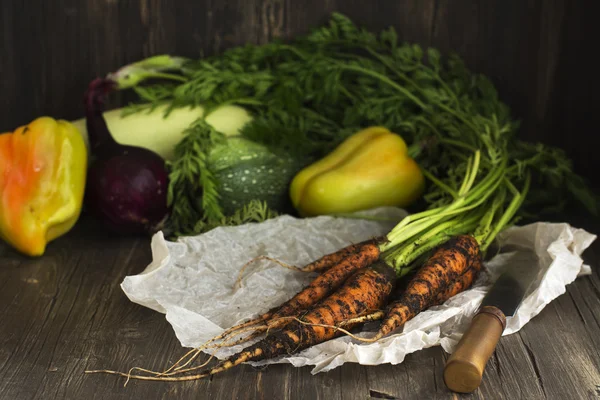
(449, 262)
(329, 260)
(462, 283)
(353, 293)
(321, 265)
(366, 290)
(322, 286)
(328, 282)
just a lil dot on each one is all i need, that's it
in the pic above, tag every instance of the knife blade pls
(464, 369)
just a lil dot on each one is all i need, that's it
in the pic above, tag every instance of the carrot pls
(320, 265)
(449, 262)
(467, 256)
(439, 279)
(367, 289)
(329, 260)
(328, 282)
(462, 283)
(322, 286)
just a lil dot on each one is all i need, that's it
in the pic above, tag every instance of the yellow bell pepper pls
(370, 169)
(42, 178)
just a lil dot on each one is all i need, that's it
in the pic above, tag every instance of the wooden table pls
(65, 312)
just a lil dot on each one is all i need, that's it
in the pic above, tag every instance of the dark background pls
(538, 53)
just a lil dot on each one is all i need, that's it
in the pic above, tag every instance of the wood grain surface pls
(65, 313)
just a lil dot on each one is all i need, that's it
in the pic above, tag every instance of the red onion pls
(126, 185)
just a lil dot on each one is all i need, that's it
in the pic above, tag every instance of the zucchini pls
(247, 171)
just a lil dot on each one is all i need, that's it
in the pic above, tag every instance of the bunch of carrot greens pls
(341, 76)
(309, 94)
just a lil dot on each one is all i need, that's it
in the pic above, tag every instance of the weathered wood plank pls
(510, 372)
(563, 356)
(69, 314)
(354, 382)
(320, 386)
(414, 378)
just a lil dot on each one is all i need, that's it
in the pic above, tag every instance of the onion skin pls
(126, 185)
(129, 191)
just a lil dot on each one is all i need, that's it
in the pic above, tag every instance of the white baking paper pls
(192, 282)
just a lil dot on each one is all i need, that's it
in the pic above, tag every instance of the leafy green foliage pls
(253, 211)
(193, 194)
(310, 94)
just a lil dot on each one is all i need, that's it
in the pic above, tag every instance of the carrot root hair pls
(238, 281)
(175, 369)
(374, 316)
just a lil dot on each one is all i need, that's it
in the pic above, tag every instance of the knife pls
(464, 368)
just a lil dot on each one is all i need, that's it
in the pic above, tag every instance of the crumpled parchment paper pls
(192, 282)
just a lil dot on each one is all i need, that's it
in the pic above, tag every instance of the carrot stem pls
(476, 197)
(429, 240)
(514, 205)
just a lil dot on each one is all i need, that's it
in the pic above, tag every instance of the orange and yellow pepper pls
(42, 179)
(371, 168)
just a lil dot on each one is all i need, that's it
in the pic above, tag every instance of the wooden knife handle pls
(464, 369)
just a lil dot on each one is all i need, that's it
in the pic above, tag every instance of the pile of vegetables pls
(261, 130)
(445, 245)
(237, 127)
(312, 94)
